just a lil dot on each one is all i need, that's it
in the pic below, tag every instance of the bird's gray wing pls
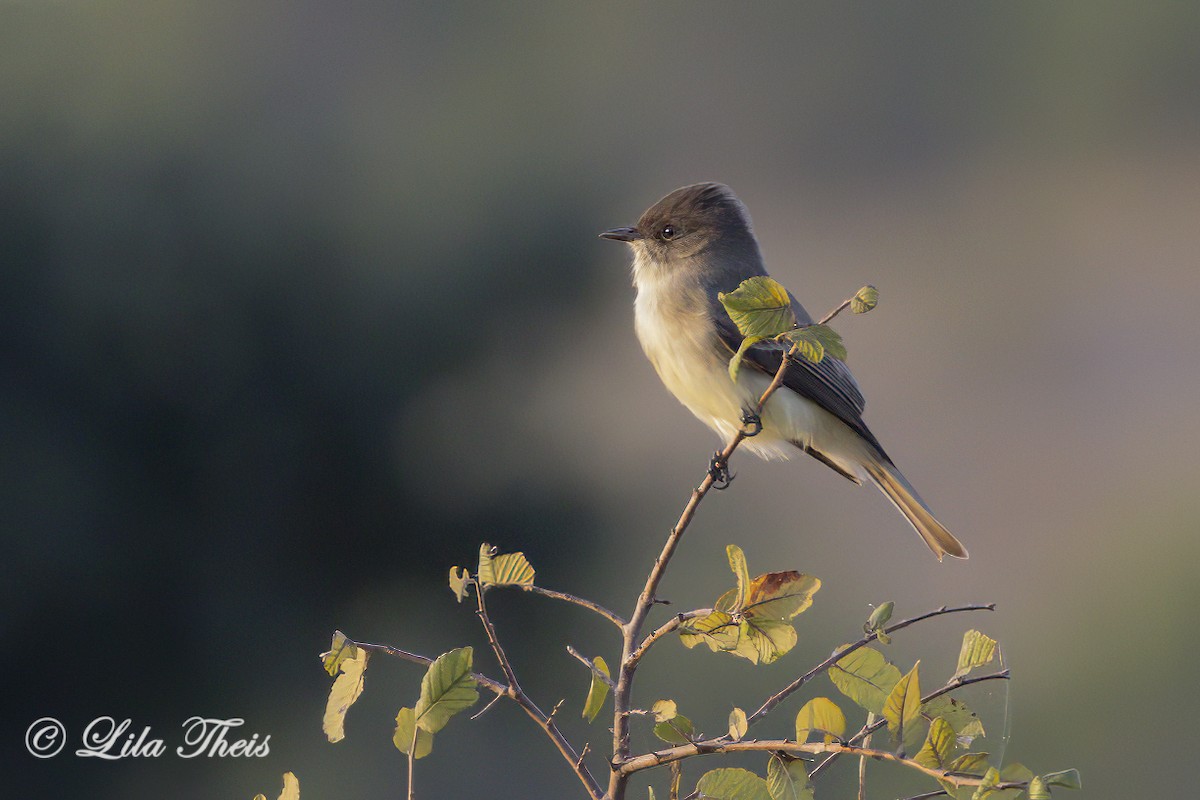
(828, 383)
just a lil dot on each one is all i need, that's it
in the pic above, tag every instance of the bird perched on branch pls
(689, 247)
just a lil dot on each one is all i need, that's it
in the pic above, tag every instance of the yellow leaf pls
(903, 705)
(346, 689)
(820, 715)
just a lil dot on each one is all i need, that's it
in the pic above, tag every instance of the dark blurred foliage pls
(301, 302)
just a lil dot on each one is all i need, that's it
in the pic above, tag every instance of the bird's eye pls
(667, 232)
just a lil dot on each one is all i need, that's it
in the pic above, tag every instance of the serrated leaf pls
(409, 735)
(339, 650)
(764, 641)
(458, 582)
(780, 595)
(760, 306)
(806, 345)
(741, 573)
(735, 362)
(864, 300)
(988, 785)
(738, 725)
(939, 745)
(1067, 778)
(829, 339)
(717, 630)
(510, 569)
(866, 677)
(345, 690)
(977, 650)
(447, 688)
(820, 715)
(664, 710)
(598, 691)
(788, 780)
(1037, 789)
(963, 720)
(903, 705)
(676, 730)
(731, 783)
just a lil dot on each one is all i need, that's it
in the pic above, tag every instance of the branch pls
(674, 754)
(483, 680)
(841, 653)
(546, 723)
(670, 625)
(590, 665)
(611, 616)
(951, 685)
(631, 629)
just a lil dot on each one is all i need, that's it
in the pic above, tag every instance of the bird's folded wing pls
(828, 383)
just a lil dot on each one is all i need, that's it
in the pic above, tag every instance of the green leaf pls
(345, 690)
(737, 563)
(963, 720)
(1013, 773)
(458, 582)
(676, 730)
(970, 764)
(820, 715)
(738, 724)
(865, 300)
(939, 744)
(735, 363)
(664, 710)
(717, 630)
(866, 677)
(878, 619)
(732, 784)
(339, 650)
(827, 337)
(1038, 789)
(510, 569)
(903, 705)
(780, 595)
(598, 691)
(760, 306)
(988, 786)
(764, 641)
(807, 344)
(788, 780)
(408, 733)
(1067, 778)
(447, 688)
(976, 651)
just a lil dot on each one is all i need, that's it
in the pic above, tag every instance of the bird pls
(689, 247)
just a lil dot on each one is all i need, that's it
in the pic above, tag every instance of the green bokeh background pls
(299, 302)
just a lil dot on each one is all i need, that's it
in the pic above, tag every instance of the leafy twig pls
(587, 662)
(632, 629)
(670, 625)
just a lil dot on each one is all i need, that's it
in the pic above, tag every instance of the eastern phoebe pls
(687, 247)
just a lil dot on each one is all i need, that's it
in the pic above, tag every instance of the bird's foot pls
(751, 424)
(718, 470)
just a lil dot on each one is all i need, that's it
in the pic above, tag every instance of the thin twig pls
(592, 666)
(486, 708)
(611, 616)
(867, 730)
(862, 762)
(670, 625)
(632, 629)
(412, 754)
(546, 723)
(483, 680)
(927, 795)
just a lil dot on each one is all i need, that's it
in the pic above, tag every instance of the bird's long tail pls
(905, 498)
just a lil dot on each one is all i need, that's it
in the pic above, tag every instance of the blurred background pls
(300, 302)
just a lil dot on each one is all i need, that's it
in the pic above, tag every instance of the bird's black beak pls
(622, 235)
